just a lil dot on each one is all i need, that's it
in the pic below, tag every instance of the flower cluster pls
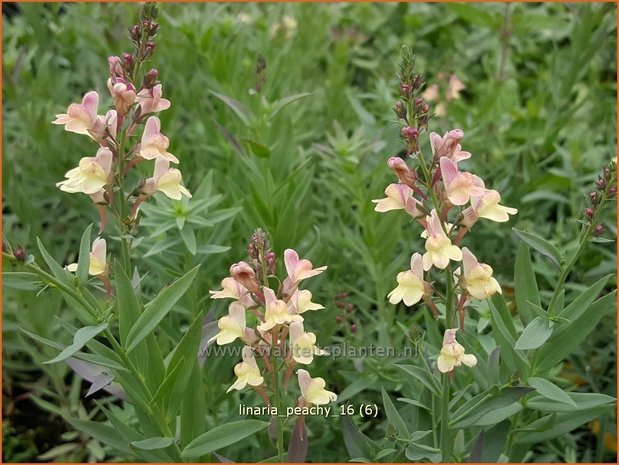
(278, 336)
(136, 97)
(446, 201)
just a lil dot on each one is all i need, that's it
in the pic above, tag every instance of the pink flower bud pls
(589, 212)
(116, 69)
(405, 89)
(353, 328)
(338, 319)
(399, 109)
(593, 196)
(410, 134)
(599, 230)
(244, 274)
(20, 254)
(402, 171)
(128, 58)
(134, 33)
(612, 192)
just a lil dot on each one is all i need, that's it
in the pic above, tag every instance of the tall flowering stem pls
(135, 97)
(446, 201)
(278, 340)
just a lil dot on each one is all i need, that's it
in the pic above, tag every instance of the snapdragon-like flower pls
(452, 354)
(90, 176)
(402, 171)
(123, 93)
(411, 285)
(313, 390)
(439, 249)
(299, 269)
(80, 117)
(154, 144)
(486, 206)
(459, 185)
(449, 145)
(231, 289)
(399, 197)
(98, 259)
(301, 301)
(245, 275)
(303, 344)
(232, 326)
(277, 311)
(151, 100)
(104, 126)
(477, 277)
(167, 180)
(247, 371)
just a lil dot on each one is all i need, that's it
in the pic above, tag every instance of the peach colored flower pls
(313, 390)
(151, 100)
(98, 265)
(167, 180)
(459, 185)
(439, 249)
(154, 144)
(80, 117)
(452, 353)
(90, 176)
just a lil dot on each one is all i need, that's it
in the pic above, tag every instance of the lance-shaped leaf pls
(83, 263)
(81, 337)
(222, 436)
(541, 245)
(158, 308)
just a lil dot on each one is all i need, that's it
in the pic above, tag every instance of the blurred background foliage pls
(302, 159)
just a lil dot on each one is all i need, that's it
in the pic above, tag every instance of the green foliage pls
(301, 157)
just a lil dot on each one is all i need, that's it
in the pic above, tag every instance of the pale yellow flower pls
(313, 390)
(98, 259)
(247, 372)
(477, 277)
(302, 344)
(90, 176)
(411, 286)
(452, 353)
(277, 312)
(232, 326)
(439, 249)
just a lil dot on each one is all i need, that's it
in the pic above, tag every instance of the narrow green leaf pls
(153, 443)
(158, 308)
(58, 271)
(222, 436)
(550, 390)
(580, 400)
(534, 335)
(423, 376)
(358, 445)
(565, 342)
(580, 304)
(21, 281)
(257, 149)
(282, 103)
(487, 404)
(83, 262)
(127, 302)
(81, 337)
(393, 416)
(525, 283)
(168, 382)
(189, 238)
(541, 245)
(237, 107)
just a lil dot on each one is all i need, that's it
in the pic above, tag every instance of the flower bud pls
(425, 108)
(410, 134)
(599, 230)
(134, 33)
(128, 59)
(612, 192)
(417, 81)
(149, 49)
(150, 79)
(593, 196)
(419, 102)
(402, 171)
(589, 212)
(244, 274)
(271, 261)
(338, 319)
(405, 89)
(601, 183)
(20, 254)
(353, 328)
(116, 69)
(399, 109)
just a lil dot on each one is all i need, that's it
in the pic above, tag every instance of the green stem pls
(446, 443)
(449, 298)
(280, 423)
(123, 214)
(585, 237)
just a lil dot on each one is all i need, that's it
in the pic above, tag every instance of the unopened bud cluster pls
(605, 188)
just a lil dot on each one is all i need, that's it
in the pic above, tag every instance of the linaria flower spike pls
(452, 354)
(313, 390)
(247, 371)
(91, 174)
(98, 258)
(80, 117)
(411, 286)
